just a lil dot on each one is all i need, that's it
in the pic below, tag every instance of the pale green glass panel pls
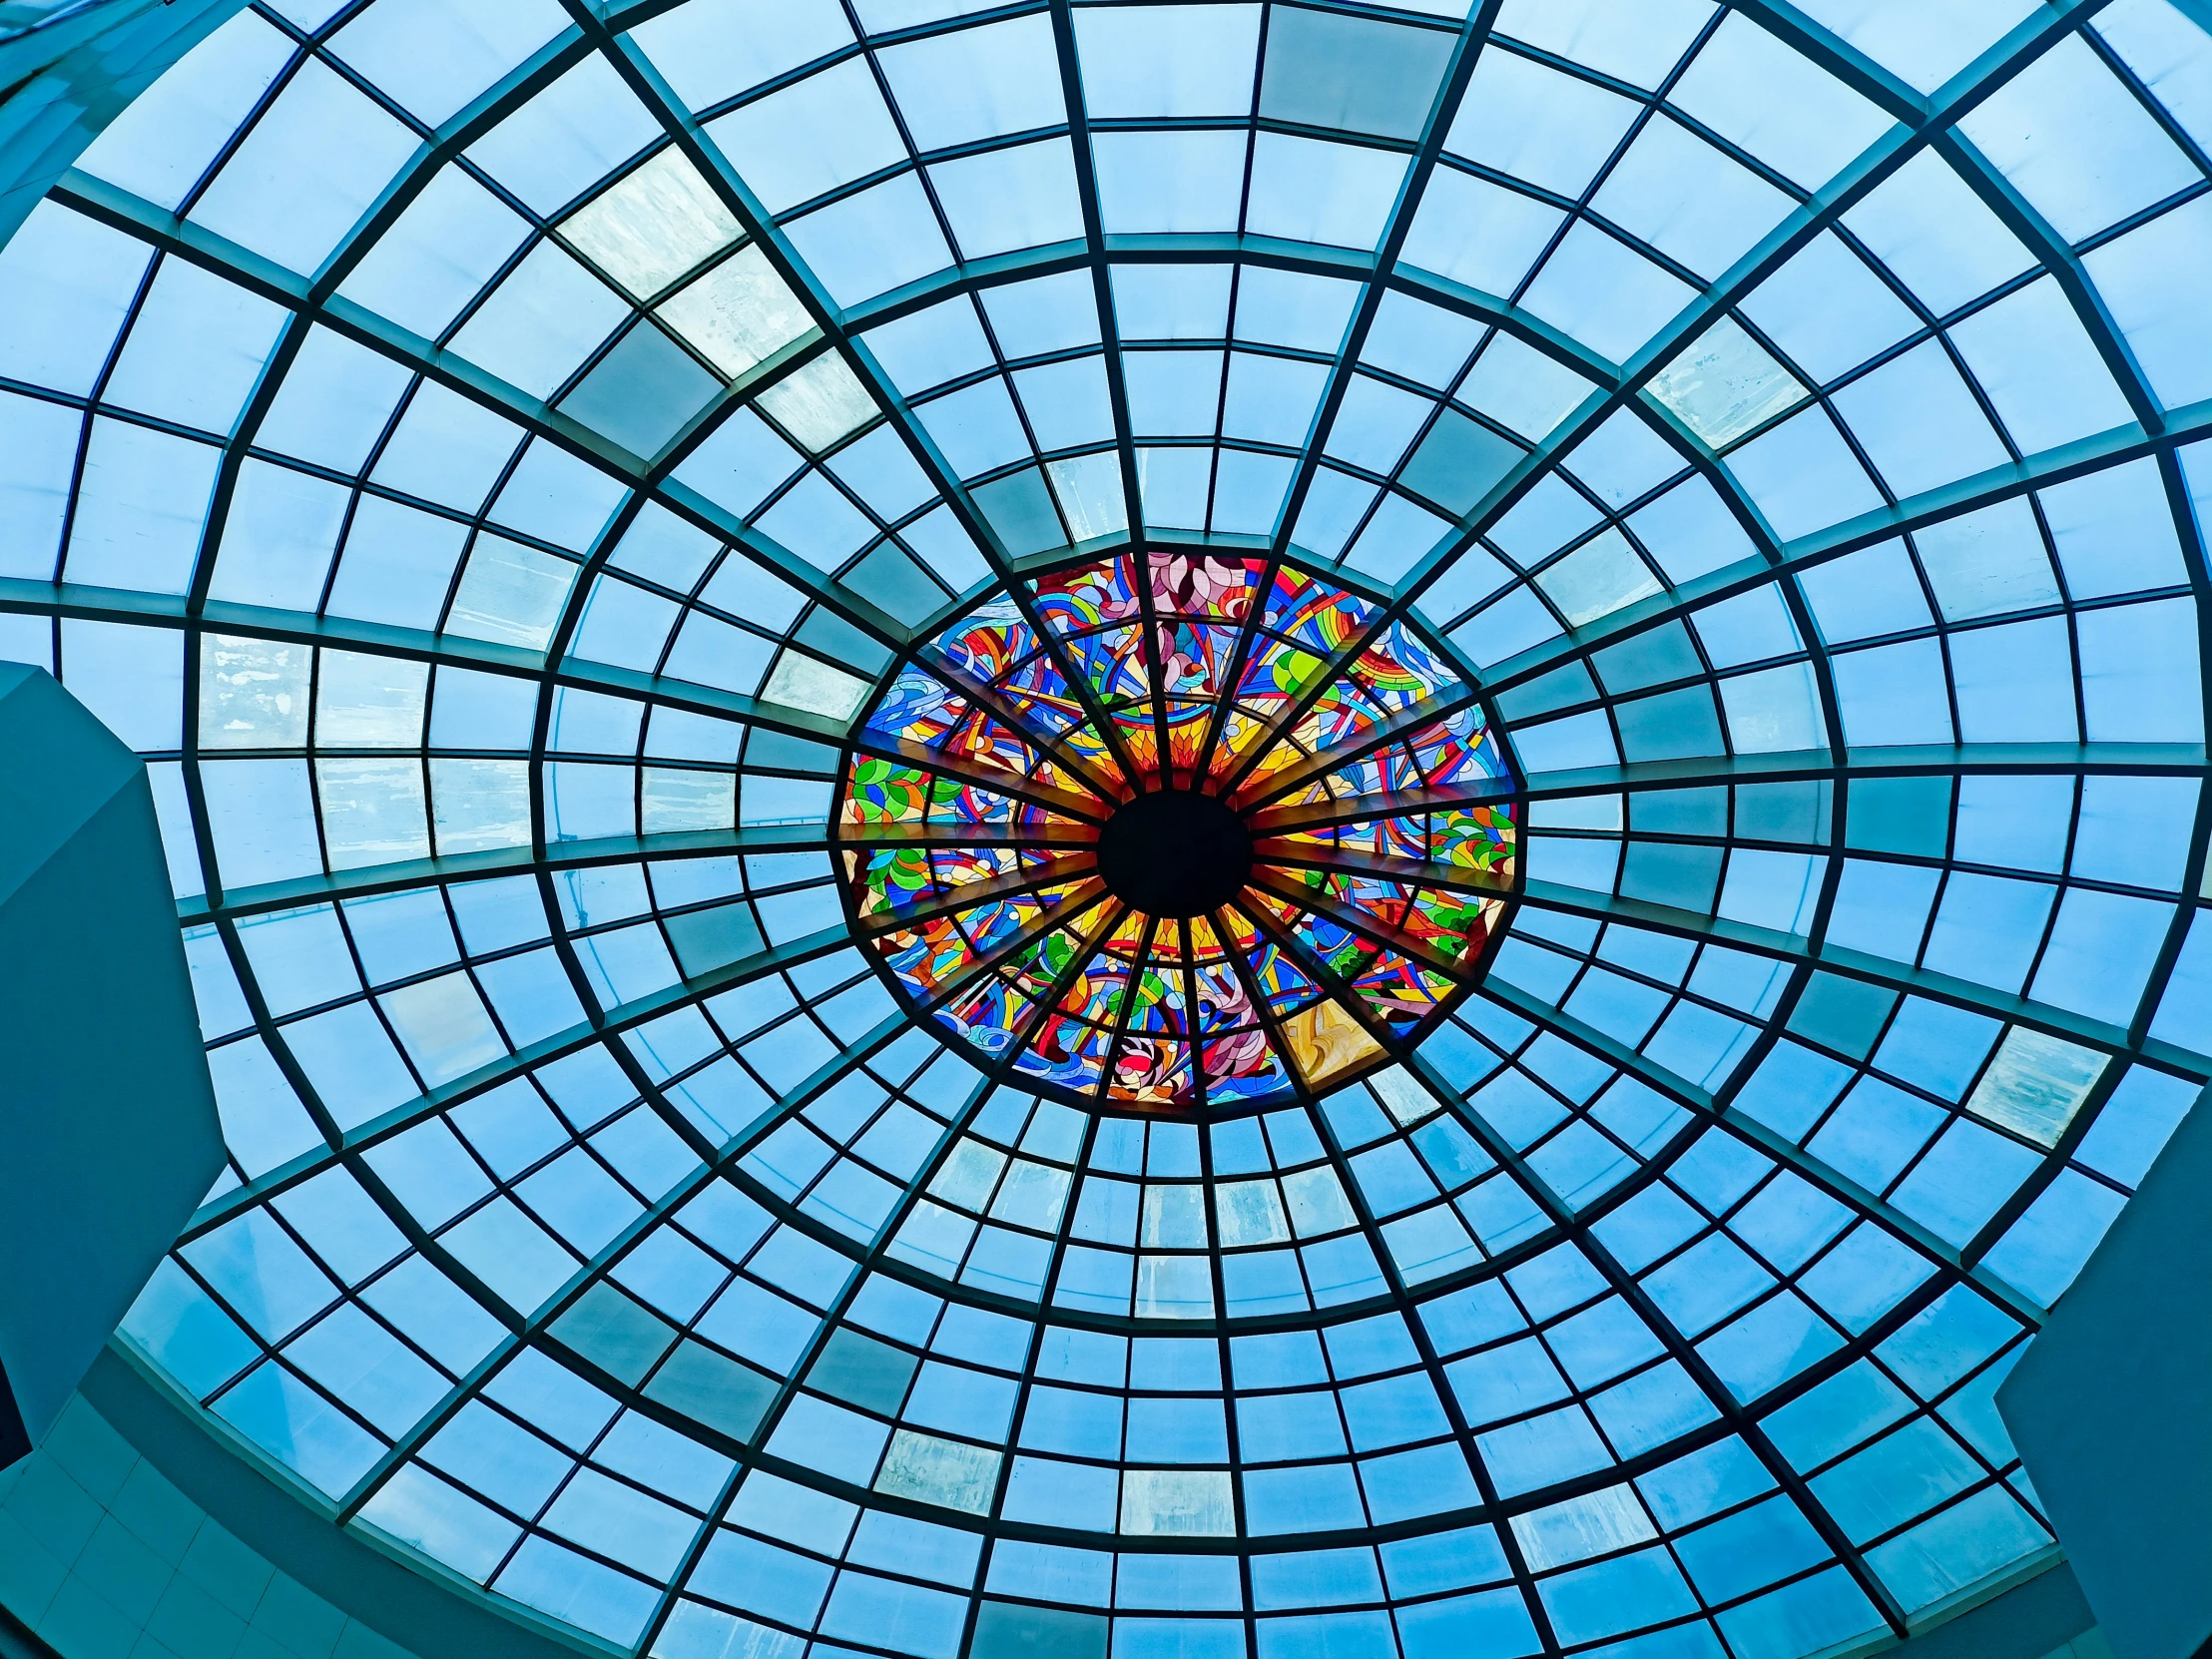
(654, 225)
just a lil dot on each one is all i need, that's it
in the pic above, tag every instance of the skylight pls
(646, 548)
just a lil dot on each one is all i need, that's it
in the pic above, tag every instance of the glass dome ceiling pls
(507, 464)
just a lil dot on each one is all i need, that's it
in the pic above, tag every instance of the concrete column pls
(109, 1137)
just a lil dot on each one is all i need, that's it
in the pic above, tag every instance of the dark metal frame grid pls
(1923, 123)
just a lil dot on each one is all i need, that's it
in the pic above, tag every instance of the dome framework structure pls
(509, 469)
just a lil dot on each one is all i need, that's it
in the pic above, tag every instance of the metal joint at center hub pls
(1173, 853)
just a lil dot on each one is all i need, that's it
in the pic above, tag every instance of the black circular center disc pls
(1174, 853)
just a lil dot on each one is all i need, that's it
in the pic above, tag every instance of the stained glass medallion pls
(1176, 831)
(506, 468)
